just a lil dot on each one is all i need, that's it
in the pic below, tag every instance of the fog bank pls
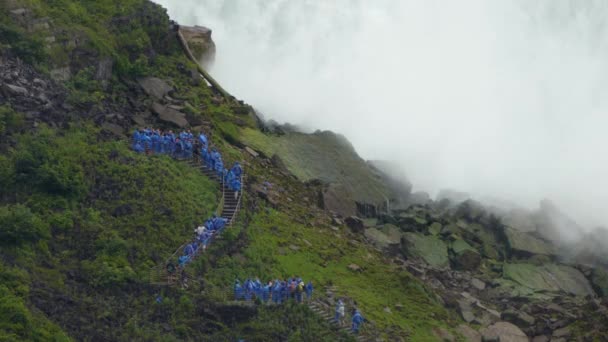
(500, 99)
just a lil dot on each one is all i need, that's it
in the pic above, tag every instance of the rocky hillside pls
(83, 219)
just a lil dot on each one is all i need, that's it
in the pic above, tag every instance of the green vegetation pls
(83, 219)
(324, 156)
(322, 255)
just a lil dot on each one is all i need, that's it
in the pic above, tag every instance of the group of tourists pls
(203, 235)
(158, 142)
(185, 146)
(278, 291)
(356, 320)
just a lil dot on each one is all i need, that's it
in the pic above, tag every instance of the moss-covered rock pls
(429, 248)
(526, 245)
(548, 278)
(464, 256)
(387, 238)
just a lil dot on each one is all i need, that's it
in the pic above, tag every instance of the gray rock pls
(251, 151)
(15, 90)
(170, 115)
(354, 267)
(478, 284)
(117, 130)
(503, 332)
(155, 87)
(139, 120)
(466, 311)
(443, 334)
(355, 224)
(518, 318)
(200, 43)
(527, 245)
(386, 238)
(470, 334)
(61, 74)
(541, 338)
(563, 332)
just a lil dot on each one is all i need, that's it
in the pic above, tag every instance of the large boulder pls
(355, 224)
(155, 87)
(503, 332)
(469, 334)
(337, 198)
(548, 278)
(170, 115)
(463, 256)
(526, 245)
(200, 43)
(428, 248)
(387, 238)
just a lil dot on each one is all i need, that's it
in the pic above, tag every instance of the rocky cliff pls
(83, 219)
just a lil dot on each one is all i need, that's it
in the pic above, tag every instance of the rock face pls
(30, 92)
(355, 224)
(155, 87)
(387, 238)
(464, 256)
(200, 43)
(548, 277)
(170, 115)
(503, 332)
(526, 245)
(428, 248)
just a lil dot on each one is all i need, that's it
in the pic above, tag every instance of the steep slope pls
(83, 219)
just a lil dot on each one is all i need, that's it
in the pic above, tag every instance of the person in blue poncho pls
(147, 141)
(139, 147)
(237, 170)
(202, 139)
(309, 288)
(178, 148)
(357, 321)
(248, 289)
(276, 292)
(219, 223)
(236, 186)
(284, 291)
(212, 156)
(266, 293)
(183, 260)
(167, 144)
(187, 149)
(219, 167)
(156, 142)
(189, 249)
(229, 178)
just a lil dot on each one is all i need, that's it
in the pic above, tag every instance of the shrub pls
(18, 225)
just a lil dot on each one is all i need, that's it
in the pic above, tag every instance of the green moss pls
(323, 156)
(325, 261)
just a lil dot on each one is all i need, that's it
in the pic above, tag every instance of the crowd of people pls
(184, 146)
(277, 291)
(158, 142)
